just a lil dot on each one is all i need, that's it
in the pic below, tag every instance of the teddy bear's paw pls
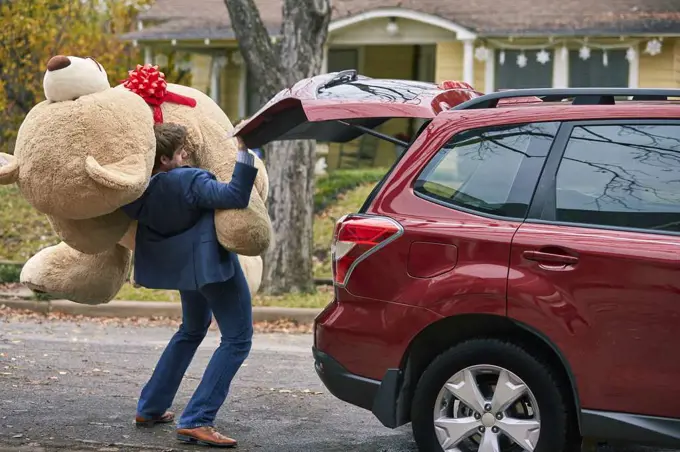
(61, 272)
(245, 231)
(9, 169)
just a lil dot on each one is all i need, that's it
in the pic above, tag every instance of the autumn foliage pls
(32, 31)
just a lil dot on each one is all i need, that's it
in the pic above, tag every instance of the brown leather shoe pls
(165, 418)
(204, 436)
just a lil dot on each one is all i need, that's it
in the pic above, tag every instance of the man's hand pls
(243, 155)
(241, 145)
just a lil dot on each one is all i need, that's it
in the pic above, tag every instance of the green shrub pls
(329, 186)
(9, 273)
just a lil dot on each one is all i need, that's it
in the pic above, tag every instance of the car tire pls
(548, 393)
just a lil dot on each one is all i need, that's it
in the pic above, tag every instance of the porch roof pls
(200, 19)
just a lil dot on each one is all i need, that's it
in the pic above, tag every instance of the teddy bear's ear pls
(9, 169)
(128, 175)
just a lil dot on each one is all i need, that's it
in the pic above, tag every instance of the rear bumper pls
(379, 397)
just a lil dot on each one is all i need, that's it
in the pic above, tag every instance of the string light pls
(584, 47)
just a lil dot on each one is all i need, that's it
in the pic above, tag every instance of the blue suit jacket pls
(176, 244)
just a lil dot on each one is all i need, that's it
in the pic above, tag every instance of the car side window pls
(491, 170)
(624, 175)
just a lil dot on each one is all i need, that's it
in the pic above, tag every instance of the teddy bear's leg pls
(93, 235)
(62, 272)
(252, 269)
(9, 169)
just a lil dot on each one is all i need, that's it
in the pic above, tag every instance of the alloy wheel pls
(486, 408)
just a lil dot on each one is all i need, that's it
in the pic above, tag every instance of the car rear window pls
(492, 170)
(385, 90)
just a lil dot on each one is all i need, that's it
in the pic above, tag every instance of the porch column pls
(561, 68)
(215, 81)
(469, 61)
(634, 68)
(324, 62)
(148, 55)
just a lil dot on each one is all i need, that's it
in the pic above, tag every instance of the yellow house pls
(492, 44)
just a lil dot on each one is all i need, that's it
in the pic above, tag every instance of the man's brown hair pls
(169, 138)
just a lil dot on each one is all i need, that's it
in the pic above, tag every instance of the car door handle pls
(550, 258)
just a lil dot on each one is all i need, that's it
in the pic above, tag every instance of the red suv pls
(513, 283)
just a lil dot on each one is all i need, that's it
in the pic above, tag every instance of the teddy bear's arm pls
(9, 169)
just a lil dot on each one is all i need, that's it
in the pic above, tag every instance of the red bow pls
(148, 82)
(455, 84)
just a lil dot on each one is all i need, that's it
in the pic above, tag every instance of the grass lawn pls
(324, 223)
(24, 231)
(317, 300)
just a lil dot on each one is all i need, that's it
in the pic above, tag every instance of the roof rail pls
(581, 96)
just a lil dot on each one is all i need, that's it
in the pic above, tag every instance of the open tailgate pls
(327, 108)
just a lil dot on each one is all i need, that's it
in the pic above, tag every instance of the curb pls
(169, 309)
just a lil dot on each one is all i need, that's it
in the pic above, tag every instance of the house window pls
(593, 72)
(510, 75)
(342, 59)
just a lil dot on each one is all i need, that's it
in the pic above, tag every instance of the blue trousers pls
(231, 305)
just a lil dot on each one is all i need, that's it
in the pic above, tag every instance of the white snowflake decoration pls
(522, 60)
(584, 52)
(501, 58)
(543, 57)
(631, 54)
(481, 53)
(653, 47)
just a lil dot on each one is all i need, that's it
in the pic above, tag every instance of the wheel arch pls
(441, 335)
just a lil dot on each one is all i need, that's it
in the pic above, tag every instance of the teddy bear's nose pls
(58, 62)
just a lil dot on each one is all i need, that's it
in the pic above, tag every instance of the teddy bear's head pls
(69, 77)
(88, 149)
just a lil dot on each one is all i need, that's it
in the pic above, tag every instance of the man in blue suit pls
(176, 248)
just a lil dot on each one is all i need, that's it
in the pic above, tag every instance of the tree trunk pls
(290, 165)
(288, 261)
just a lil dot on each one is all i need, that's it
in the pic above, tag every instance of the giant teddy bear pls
(89, 149)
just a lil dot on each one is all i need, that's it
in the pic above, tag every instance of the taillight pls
(355, 238)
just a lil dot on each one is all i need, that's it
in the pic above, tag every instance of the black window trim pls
(470, 211)
(543, 209)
